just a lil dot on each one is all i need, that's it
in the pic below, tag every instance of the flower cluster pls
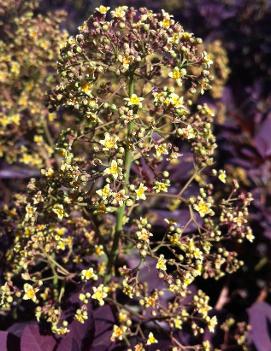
(132, 79)
(29, 46)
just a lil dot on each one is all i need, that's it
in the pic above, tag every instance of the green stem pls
(128, 160)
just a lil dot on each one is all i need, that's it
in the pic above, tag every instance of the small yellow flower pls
(222, 176)
(119, 12)
(30, 212)
(86, 87)
(140, 192)
(177, 74)
(212, 324)
(175, 38)
(187, 132)
(30, 292)
(161, 149)
(176, 100)
(118, 332)
(100, 293)
(58, 209)
(178, 323)
(113, 170)
(88, 274)
(134, 100)
(161, 186)
(166, 23)
(38, 139)
(119, 197)
(151, 339)
(126, 60)
(109, 142)
(81, 315)
(99, 250)
(161, 263)
(103, 9)
(206, 345)
(203, 208)
(16, 118)
(105, 192)
(143, 234)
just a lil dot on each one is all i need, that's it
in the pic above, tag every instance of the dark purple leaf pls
(9, 342)
(32, 340)
(259, 316)
(80, 336)
(3, 340)
(8, 172)
(104, 320)
(262, 139)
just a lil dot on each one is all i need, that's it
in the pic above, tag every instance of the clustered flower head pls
(131, 78)
(29, 46)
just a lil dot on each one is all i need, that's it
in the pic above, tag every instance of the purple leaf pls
(17, 328)
(32, 340)
(262, 139)
(9, 342)
(104, 320)
(3, 340)
(17, 172)
(259, 316)
(80, 336)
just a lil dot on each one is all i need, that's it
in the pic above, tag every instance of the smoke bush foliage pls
(109, 222)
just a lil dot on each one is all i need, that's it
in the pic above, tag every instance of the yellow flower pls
(143, 234)
(203, 208)
(113, 170)
(187, 132)
(103, 9)
(222, 176)
(178, 323)
(118, 332)
(166, 23)
(151, 339)
(15, 68)
(86, 87)
(160, 186)
(161, 263)
(119, 12)
(126, 60)
(177, 74)
(161, 150)
(175, 38)
(30, 212)
(109, 142)
(140, 192)
(38, 139)
(119, 197)
(100, 293)
(88, 274)
(4, 121)
(212, 324)
(16, 118)
(105, 192)
(99, 250)
(176, 100)
(30, 293)
(81, 315)
(134, 100)
(58, 209)
(206, 345)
